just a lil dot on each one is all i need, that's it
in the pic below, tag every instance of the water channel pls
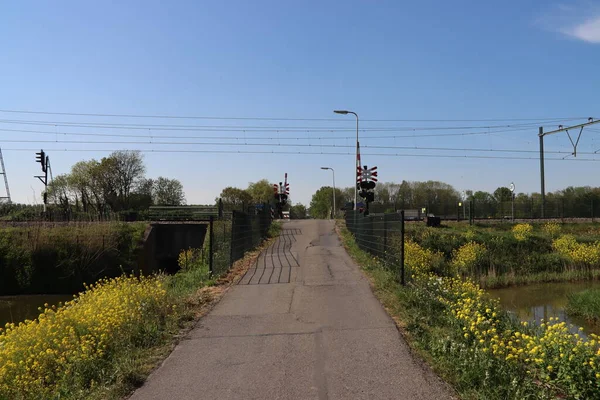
(19, 308)
(544, 300)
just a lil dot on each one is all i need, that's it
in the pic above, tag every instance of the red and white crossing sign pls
(366, 174)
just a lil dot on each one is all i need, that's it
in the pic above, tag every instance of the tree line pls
(442, 199)
(112, 185)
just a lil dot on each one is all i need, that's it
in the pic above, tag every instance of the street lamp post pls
(512, 201)
(345, 112)
(334, 209)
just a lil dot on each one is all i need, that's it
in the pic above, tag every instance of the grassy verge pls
(474, 345)
(495, 282)
(106, 341)
(585, 304)
(47, 258)
(514, 254)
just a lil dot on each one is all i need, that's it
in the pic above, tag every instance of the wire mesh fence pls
(230, 239)
(491, 209)
(382, 236)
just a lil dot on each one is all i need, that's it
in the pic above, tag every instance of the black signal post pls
(44, 161)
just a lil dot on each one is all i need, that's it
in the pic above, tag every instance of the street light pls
(345, 112)
(334, 209)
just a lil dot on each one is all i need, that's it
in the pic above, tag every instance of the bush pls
(551, 228)
(67, 349)
(585, 254)
(43, 258)
(522, 232)
(468, 257)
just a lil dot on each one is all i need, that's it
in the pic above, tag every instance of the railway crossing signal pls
(281, 193)
(366, 180)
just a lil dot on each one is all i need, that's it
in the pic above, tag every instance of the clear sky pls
(521, 63)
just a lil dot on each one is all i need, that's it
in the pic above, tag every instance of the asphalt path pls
(302, 323)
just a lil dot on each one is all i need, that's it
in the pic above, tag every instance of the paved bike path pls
(301, 324)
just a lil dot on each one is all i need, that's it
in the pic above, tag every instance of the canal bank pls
(541, 301)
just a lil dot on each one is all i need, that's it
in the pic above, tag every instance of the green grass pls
(46, 258)
(185, 290)
(509, 261)
(585, 304)
(434, 337)
(496, 282)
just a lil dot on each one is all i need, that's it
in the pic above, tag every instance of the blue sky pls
(386, 60)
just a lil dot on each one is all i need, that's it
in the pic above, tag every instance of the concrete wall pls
(164, 242)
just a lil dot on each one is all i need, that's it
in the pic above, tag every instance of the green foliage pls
(585, 304)
(261, 192)
(167, 192)
(43, 258)
(507, 259)
(234, 198)
(298, 211)
(114, 184)
(433, 332)
(522, 232)
(466, 258)
(321, 203)
(551, 228)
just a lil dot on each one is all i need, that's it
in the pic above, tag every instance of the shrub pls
(551, 228)
(419, 260)
(587, 254)
(522, 232)
(468, 256)
(67, 349)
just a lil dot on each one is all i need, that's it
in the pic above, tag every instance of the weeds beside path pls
(105, 342)
(476, 346)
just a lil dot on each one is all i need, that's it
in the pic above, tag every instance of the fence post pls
(210, 245)
(233, 217)
(471, 211)
(385, 238)
(402, 279)
(592, 210)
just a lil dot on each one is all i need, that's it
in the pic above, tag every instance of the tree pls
(298, 211)
(234, 198)
(502, 194)
(118, 175)
(261, 191)
(60, 192)
(322, 202)
(168, 192)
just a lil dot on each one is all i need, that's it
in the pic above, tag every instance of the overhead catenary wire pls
(152, 135)
(307, 153)
(154, 116)
(310, 145)
(225, 128)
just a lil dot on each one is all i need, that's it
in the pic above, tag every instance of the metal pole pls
(210, 246)
(513, 206)
(356, 163)
(471, 211)
(543, 188)
(334, 208)
(402, 280)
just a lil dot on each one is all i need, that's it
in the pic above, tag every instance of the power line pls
(312, 153)
(310, 145)
(235, 128)
(261, 138)
(276, 119)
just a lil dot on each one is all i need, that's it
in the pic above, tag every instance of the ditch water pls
(544, 300)
(19, 308)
